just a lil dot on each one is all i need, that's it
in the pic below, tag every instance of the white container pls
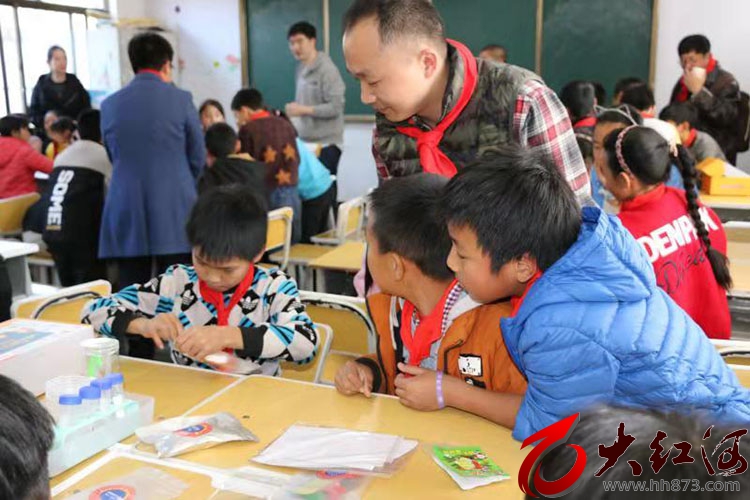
(69, 410)
(33, 352)
(61, 386)
(101, 357)
(91, 398)
(117, 380)
(93, 433)
(105, 386)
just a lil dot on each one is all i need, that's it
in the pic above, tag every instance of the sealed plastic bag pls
(183, 434)
(145, 483)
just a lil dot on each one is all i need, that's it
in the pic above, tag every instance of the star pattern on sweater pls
(269, 155)
(284, 178)
(290, 153)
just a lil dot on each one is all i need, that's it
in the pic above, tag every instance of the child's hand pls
(353, 378)
(159, 328)
(418, 390)
(200, 341)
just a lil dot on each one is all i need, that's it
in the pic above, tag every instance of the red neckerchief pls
(644, 198)
(589, 121)
(429, 329)
(691, 138)
(646, 114)
(151, 72)
(217, 298)
(684, 94)
(260, 114)
(432, 159)
(515, 302)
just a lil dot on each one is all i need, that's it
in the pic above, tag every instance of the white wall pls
(208, 34)
(724, 23)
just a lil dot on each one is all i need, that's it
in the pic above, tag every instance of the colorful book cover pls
(468, 461)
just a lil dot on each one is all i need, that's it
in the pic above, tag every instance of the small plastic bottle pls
(118, 392)
(105, 386)
(91, 399)
(69, 409)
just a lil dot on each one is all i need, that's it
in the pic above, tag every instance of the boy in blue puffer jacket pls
(589, 324)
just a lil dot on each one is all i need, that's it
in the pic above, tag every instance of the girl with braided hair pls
(684, 240)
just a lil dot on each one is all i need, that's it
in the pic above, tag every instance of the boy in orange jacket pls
(436, 346)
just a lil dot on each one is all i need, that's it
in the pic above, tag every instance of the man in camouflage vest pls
(439, 108)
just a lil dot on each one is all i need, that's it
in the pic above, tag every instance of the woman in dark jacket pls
(57, 90)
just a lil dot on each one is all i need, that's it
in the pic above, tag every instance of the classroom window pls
(84, 4)
(24, 59)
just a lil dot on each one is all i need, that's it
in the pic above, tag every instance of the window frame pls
(40, 5)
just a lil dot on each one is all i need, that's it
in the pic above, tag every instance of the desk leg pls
(320, 280)
(20, 276)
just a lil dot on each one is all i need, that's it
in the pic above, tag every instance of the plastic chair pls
(64, 306)
(12, 212)
(279, 235)
(312, 371)
(351, 218)
(355, 333)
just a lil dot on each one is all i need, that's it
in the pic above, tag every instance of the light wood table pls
(175, 389)
(735, 208)
(268, 406)
(16, 254)
(347, 257)
(739, 262)
(197, 485)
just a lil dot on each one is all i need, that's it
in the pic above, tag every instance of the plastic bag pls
(325, 485)
(183, 434)
(145, 483)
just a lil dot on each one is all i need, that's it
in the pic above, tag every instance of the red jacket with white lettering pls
(659, 220)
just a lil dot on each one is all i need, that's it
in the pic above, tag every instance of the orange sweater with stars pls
(272, 140)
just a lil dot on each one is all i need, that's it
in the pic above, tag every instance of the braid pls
(718, 261)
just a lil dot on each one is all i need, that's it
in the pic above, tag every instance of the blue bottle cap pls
(116, 378)
(69, 400)
(90, 392)
(103, 384)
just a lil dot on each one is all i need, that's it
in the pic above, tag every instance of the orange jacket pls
(472, 348)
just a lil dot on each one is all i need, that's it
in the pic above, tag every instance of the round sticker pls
(113, 492)
(195, 430)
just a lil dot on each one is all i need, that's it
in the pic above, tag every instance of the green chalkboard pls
(599, 40)
(476, 23)
(354, 104)
(271, 64)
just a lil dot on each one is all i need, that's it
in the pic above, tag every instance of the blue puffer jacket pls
(595, 328)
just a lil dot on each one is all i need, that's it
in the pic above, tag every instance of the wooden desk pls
(273, 404)
(198, 486)
(736, 208)
(739, 261)
(347, 257)
(16, 255)
(176, 389)
(743, 373)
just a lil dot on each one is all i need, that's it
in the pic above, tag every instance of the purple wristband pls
(439, 390)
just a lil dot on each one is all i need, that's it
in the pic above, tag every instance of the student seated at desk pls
(684, 116)
(223, 302)
(437, 347)
(226, 165)
(589, 324)
(18, 159)
(26, 436)
(684, 240)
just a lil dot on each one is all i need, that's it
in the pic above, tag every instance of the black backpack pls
(743, 122)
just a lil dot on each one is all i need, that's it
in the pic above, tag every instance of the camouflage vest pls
(486, 122)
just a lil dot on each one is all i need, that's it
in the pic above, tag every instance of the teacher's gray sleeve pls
(332, 90)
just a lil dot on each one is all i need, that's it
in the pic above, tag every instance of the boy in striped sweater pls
(223, 312)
